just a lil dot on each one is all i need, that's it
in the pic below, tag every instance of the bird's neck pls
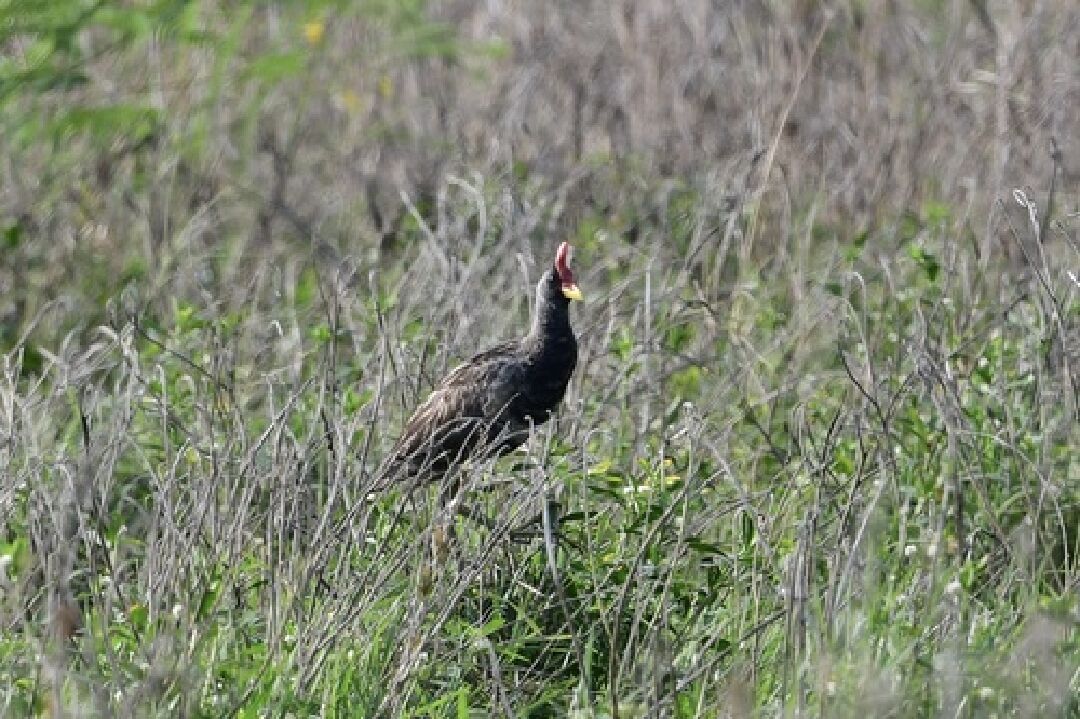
(550, 327)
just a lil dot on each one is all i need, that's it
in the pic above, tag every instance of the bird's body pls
(486, 406)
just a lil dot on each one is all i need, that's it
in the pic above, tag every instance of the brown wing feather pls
(466, 412)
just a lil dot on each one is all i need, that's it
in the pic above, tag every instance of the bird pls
(486, 406)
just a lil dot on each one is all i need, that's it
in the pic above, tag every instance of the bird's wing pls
(458, 413)
(490, 380)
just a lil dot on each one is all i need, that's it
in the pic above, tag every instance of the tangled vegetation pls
(819, 457)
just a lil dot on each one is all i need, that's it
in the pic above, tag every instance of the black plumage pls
(486, 406)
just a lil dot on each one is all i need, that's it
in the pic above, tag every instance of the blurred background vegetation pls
(819, 457)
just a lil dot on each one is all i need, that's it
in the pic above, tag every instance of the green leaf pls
(463, 703)
(703, 547)
(131, 24)
(277, 66)
(354, 400)
(138, 614)
(307, 287)
(936, 213)
(854, 250)
(927, 261)
(12, 235)
(187, 318)
(108, 122)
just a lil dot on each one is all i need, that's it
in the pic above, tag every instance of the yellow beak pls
(571, 292)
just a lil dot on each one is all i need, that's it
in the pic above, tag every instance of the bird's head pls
(562, 274)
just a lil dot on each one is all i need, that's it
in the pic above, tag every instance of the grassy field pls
(820, 455)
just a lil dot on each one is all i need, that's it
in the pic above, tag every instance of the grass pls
(818, 458)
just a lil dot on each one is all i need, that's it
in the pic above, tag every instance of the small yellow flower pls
(313, 31)
(350, 101)
(386, 86)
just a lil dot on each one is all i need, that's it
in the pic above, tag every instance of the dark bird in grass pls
(486, 406)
